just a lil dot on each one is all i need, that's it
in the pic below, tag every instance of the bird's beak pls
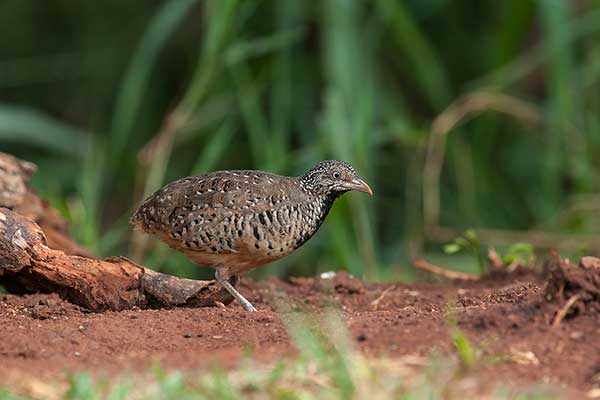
(358, 185)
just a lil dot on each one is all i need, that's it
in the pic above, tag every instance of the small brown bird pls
(235, 221)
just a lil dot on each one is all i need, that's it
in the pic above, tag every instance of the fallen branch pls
(446, 273)
(17, 195)
(27, 264)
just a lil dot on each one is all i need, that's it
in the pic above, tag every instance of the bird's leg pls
(234, 280)
(237, 295)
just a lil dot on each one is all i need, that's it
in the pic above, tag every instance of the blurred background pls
(461, 115)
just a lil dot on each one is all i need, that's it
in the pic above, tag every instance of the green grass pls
(113, 101)
(377, 379)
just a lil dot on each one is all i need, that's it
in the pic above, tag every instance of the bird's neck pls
(330, 198)
(314, 212)
(325, 202)
(322, 198)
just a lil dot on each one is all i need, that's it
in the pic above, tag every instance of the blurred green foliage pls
(86, 86)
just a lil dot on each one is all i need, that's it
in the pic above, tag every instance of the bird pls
(236, 220)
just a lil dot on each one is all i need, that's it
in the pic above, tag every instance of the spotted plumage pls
(237, 220)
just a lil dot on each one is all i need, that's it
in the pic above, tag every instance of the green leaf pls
(244, 51)
(81, 388)
(452, 248)
(471, 236)
(521, 247)
(465, 350)
(520, 252)
(462, 242)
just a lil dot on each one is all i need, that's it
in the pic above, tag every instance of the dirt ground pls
(506, 315)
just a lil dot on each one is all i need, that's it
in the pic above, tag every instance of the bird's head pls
(333, 178)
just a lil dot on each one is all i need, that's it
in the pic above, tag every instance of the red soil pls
(43, 335)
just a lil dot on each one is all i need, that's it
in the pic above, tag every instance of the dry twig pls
(446, 273)
(375, 303)
(464, 109)
(562, 313)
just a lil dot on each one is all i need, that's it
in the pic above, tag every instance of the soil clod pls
(574, 289)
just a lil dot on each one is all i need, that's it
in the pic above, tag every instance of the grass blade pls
(214, 149)
(137, 76)
(27, 126)
(427, 69)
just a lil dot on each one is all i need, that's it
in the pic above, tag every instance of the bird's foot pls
(233, 291)
(249, 307)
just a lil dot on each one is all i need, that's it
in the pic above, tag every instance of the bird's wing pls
(208, 199)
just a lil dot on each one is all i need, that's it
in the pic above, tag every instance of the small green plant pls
(469, 355)
(322, 341)
(468, 242)
(519, 253)
(466, 352)
(81, 388)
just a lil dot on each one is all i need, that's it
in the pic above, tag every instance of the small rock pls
(220, 304)
(328, 275)
(524, 357)
(590, 262)
(217, 337)
(187, 335)
(77, 354)
(362, 337)
(576, 335)
(593, 393)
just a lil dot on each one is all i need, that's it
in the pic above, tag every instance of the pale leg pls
(237, 295)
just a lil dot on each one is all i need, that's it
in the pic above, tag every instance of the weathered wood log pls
(17, 195)
(27, 264)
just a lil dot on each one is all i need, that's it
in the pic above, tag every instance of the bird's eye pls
(336, 175)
